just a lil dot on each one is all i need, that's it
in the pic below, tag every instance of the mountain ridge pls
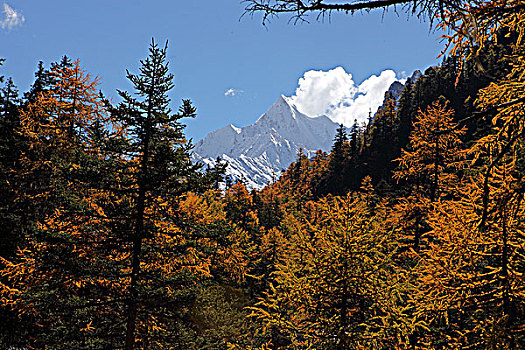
(258, 152)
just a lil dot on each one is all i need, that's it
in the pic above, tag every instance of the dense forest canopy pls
(408, 234)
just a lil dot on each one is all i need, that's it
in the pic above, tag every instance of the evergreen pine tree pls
(338, 147)
(333, 180)
(10, 148)
(354, 140)
(161, 171)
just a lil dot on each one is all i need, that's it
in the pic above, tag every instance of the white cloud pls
(335, 94)
(232, 92)
(12, 17)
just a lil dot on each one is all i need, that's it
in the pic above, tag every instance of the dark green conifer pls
(156, 140)
(10, 148)
(354, 140)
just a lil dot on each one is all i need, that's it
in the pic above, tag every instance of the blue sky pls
(211, 49)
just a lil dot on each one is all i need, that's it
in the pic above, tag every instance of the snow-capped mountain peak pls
(260, 151)
(282, 108)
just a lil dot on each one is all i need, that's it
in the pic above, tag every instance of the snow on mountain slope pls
(258, 152)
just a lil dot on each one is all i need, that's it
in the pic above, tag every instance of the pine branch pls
(479, 114)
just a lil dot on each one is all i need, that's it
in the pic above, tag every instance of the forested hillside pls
(371, 149)
(409, 234)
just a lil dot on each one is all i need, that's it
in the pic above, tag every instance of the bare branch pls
(300, 9)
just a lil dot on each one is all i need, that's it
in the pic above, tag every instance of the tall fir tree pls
(161, 171)
(10, 150)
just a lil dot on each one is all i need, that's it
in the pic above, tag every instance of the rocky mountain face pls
(257, 153)
(396, 88)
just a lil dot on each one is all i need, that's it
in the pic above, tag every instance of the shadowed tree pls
(161, 171)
